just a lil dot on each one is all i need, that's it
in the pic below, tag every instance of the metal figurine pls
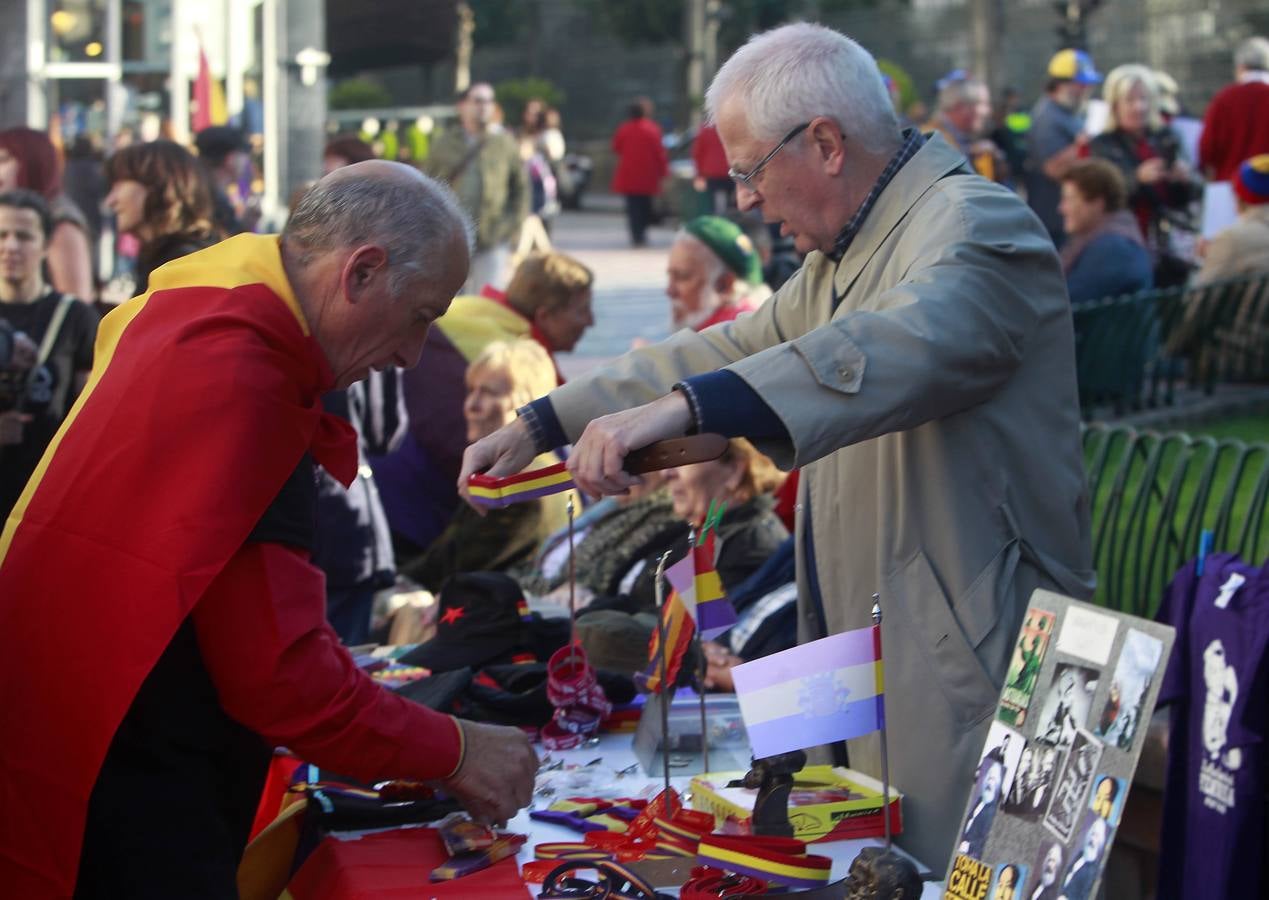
(885, 755)
(878, 874)
(772, 776)
(665, 686)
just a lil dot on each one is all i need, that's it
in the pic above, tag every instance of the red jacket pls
(641, 158)
(708, 153)
(1235, 128)
(205, 394)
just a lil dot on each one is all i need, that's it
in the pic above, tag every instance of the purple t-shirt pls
(1214, 810)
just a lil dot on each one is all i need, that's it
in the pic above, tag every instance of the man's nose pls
(746, 197)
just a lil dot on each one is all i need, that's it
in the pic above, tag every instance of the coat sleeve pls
(280, 670)
(945, 338)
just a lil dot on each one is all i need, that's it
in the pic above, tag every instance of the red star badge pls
(452, 615)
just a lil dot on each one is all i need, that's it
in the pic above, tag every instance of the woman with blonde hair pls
(504, 377)
(162, 196)
(1161, 185)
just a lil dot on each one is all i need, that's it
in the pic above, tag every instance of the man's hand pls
(505, 452)
(496, 778)
(598, 460)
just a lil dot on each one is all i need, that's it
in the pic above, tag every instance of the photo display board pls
(1054, 772)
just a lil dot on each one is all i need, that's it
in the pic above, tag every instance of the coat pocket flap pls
(833, 357)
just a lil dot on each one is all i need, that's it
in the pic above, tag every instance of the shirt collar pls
(913, 140)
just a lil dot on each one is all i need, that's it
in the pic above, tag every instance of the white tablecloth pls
(614, 753)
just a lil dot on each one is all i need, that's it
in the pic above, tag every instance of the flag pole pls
(881, 710)
(572, 590)
(703, 668)
(665, 703)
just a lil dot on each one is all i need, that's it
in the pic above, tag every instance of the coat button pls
(844, 372)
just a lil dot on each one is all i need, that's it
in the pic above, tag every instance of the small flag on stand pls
(678, 626)
(714, 612)
(825, 691)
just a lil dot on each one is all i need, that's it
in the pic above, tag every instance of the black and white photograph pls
(1085, 859)
(1070, 794)
(1038, 769)
(1066, 704)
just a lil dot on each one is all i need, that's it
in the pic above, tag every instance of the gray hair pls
(794, 73)
(1253, 53)
(714, 265)
(1123, 79)
(414, 220)
(960, 90)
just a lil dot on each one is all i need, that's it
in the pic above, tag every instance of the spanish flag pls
(204, 396)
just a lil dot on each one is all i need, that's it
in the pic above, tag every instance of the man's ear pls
(365, 264)
(725, 281)
(829, 144)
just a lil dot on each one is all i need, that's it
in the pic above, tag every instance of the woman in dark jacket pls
(160, 195)
(1161, 186)
(747, 535)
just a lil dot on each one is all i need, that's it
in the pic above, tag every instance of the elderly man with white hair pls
(713, 274)
(919, 367)
(1236, 125)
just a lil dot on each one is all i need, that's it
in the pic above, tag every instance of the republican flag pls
(209, 99)
(825, 691)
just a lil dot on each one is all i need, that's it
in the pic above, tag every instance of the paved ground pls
(630, 299)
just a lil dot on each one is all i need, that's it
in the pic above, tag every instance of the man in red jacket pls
(641, 164)
(1236, 126)
(163, 629)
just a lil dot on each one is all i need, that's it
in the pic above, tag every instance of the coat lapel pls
(932, 162)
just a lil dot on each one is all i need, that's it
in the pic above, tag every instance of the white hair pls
(794, 73)
(415, 220)
(1123, 79)
(958, 91)
(1253, 53)
(714, 266)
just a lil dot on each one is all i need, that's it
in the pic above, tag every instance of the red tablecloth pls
(396, 864)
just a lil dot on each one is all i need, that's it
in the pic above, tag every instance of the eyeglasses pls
(746, 178)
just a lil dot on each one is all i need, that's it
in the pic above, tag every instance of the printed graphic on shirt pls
(969, 880)
(1088, 635)
(1107, 798)
(1009, 880)
(1049, 864)
(1038, 769)
(1066, 705)
(1120, 717)
(1085, 859)
(1073, 785)
(1024, 667)
(1219, 762)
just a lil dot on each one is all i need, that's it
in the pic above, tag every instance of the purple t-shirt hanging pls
(1214, 810)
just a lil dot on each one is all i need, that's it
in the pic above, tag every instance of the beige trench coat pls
(935, 417)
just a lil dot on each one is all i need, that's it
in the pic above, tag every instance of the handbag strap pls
(54, 328)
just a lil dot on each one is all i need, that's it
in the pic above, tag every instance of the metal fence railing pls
(1152, 496)
(1135, 349)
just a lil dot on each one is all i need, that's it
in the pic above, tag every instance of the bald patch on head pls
(379, 170)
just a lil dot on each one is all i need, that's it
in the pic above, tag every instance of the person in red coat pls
(1236, 126)
(641, 164)
(711, 170)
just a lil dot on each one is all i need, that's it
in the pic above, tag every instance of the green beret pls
(729, 244)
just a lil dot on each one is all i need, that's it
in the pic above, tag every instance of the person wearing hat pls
(1057, 137)
(1243, 247)
(1236, 124)
(714, 274)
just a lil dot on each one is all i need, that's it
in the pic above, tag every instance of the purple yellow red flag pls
(825, 691)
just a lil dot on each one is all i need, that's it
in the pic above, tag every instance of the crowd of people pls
(403, 334)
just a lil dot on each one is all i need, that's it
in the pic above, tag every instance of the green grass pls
(1138, 549)
(1250, 429)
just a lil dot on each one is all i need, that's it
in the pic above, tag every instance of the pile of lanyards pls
(618, 833)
